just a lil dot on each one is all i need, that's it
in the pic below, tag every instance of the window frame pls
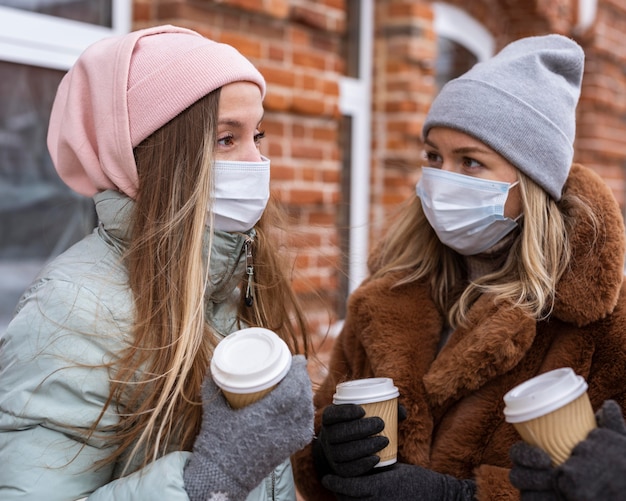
(355, 101)
(33, 39)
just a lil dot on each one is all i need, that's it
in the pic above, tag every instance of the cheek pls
(513, 205)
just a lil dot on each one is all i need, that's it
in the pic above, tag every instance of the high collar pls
(227, 263)
(490, 260)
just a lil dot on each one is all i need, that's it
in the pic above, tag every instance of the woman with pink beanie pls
(104, 387)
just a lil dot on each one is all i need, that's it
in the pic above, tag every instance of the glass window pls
(453, 59)
(97, 12)
(40, 216)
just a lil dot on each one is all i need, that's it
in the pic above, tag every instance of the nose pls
(250, 152)
(448, 166)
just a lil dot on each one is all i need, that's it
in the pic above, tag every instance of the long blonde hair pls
(156, 380)
(537, 259)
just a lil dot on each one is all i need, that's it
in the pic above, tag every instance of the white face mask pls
(242, 190)
(466, 212)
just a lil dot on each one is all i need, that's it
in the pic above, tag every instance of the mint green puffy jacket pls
(77, 314)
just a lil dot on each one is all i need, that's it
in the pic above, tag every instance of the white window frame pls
(355, 100)
(587, 10)
(53, 42)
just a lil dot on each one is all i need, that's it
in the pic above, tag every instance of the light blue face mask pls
(466, 212)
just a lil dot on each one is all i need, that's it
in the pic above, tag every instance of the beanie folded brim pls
(522, 104)
(173, 86)
(525, 137)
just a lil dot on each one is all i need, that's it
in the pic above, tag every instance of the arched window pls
(462, 42)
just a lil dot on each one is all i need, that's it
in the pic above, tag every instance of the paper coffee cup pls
(248, 364)
(551, 411)
(379, 397)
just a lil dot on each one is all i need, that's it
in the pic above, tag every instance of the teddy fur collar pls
(589, 289)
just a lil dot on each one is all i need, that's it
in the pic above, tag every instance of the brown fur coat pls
(455, 423)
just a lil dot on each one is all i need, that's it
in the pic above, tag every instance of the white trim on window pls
(457, 25)
(52, 42)
(587, 10)
(355, 100)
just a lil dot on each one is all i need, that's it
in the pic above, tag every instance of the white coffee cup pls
(248, 364)
(551, 411)
(378, 397)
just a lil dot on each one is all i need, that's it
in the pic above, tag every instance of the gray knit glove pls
(401, 482)
(236, 449)
(533, 473)
(596, 470)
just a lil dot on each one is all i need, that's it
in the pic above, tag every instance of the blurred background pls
(349, 85)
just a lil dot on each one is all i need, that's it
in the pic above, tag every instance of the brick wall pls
(404, 85)
(601, 138)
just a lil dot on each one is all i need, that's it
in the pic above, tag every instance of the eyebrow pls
(464, 150)
(231, 122)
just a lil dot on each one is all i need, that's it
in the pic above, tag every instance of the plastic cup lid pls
(543, 394)
(365, 391)
(250, 360)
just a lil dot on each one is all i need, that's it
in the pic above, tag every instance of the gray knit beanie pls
(522, 104)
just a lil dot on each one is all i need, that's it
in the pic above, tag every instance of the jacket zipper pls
(249, 271)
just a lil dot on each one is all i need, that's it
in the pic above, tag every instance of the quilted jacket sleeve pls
(51, 393)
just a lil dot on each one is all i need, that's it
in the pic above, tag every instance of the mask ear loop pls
(511, 186)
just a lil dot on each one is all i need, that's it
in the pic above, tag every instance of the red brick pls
(307, 105)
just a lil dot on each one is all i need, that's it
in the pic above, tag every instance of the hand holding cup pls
(248, 364)
(378, 397)
(551, 411)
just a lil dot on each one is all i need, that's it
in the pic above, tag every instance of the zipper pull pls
(249, 271)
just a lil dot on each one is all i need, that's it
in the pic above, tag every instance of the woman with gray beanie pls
(105, 391)
(506, 264)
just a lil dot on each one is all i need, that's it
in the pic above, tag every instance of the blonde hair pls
(537, 258)
(156, 380)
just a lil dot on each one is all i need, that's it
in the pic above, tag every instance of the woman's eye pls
(432, 159)
(225, 141)
(470, 163)
(259, 136)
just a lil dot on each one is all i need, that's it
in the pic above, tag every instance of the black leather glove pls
(347, 442)
(401, 482)
(533, 473)
(596, 470)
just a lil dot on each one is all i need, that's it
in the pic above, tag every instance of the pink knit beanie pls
(124, 88)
